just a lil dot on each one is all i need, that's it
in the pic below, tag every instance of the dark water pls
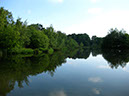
(79, 73)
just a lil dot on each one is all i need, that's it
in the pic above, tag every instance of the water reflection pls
(18, 68)
(95, 79)
(116, 58)
(96, 91)
(96, 52)
(58, 93)
(80, 53)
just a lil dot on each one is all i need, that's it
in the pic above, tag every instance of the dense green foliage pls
(96, 42)
(38, 38)
(18, 37)
(116, 40)
(81, 39)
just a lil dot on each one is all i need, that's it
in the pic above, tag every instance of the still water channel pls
(81, 73)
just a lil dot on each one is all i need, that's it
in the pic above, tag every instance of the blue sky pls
(94, 17)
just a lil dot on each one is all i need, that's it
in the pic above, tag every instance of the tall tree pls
(38, 39)
(116, 40)
(52, 35)
(6, 18)
(8, 35)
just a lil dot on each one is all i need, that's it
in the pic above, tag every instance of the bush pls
(21, 51)
(50, 51)
(43, 49)
(37, 51)
(27, 51)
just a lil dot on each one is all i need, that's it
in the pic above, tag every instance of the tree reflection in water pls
(116, 58)
(18, 68)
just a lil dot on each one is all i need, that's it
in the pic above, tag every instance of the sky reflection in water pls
(94, 76)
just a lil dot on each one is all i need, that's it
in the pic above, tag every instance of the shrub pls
(43, 49)
(50, 51)
(27, 51)
(21, 51)
(37, 51)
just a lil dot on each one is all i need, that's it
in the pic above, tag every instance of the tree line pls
(18, 37)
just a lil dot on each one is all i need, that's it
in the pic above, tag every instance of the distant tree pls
(96, 42)
(81, 38)
(61, 40)
(71, 43)
(116, 39)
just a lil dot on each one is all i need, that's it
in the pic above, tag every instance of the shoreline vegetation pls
(16, 37)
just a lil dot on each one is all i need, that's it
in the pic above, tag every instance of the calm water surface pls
(92, 74)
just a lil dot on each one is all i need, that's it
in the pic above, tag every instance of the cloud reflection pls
(95, 79)
(96, 91)
(103, 67)
(58, 93)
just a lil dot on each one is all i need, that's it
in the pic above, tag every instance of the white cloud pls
(100, 24)
(57, 93)
(95, 10)
(96, 91)
(95, 1)
(95, 79)
(57, 1)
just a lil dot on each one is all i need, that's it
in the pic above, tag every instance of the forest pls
(16, 37)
